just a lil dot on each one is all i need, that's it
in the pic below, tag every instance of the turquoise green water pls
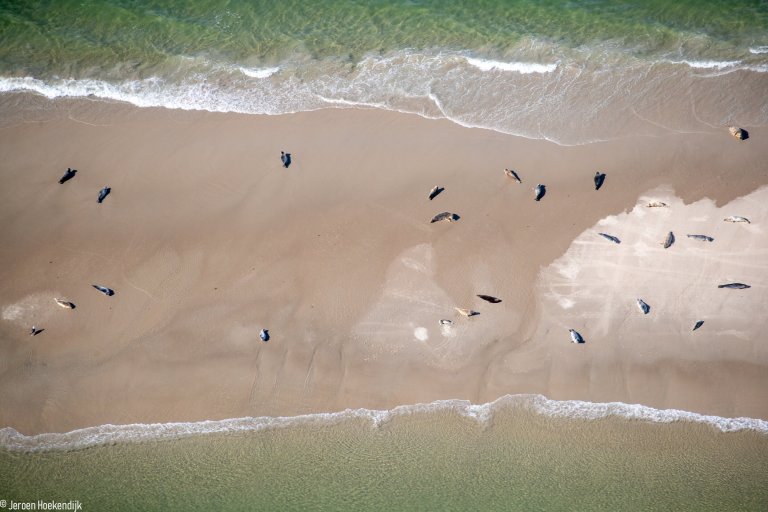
(614, 67)
(79, 34)
(431, 461)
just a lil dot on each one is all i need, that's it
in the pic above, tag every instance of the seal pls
(67, 175)
(667, 243)
(734, 286)
(512, 174)
(736, 218)
(575, 336)
(610, 237)
(599, 179)
(703, 238)
(489, 298)
(435, 191)
(540, 190)
(264, 335)
(466, 312)
(656, 204)
(698, 324)
(103, 289)
(445, 322)
(65, 304)
(738, 133)
(104, 193)
(645, 308)
(450, 217)
(285, 158)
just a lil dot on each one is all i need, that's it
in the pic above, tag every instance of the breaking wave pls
(517, 67)
(102, 435)
(527, 96)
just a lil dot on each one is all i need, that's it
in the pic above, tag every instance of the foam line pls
(12, 440)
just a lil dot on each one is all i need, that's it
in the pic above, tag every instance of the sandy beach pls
(206, 239)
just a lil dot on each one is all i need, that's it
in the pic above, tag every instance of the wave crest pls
(517, 67)
(12, 440)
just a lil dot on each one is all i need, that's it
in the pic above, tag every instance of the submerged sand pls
(206, 239)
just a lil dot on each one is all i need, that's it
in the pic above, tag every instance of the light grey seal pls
(103, 289)
(575, 336)
(445, 322)
(703, 238)
(669, 240)
(656, 204)
(467, 312)
(610, 237)
(734, 286)
(644, 307)
(540, 190)
(736, 218)
(435, 191)
(512, 174)
(698, 324)
(450, 217)
(65, 304)
(599, 179)
(739, 133)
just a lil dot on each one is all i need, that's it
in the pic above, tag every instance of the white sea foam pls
(258, 72)
(102, 435)
(757, 50)
(709, 64)
(517, 67)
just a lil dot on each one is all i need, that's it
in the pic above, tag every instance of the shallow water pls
(572, 72)
(440, 460)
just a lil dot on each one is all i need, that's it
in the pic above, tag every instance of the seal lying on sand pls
(734, 286)
(104, 193)
(610, 237)
(492, 300)
(703, 238)
(656, 204)
(35, 331)
(264, 335)
(434, 192)
(68, 175)
(450, 217)
(739, 133)
(540, 190)
(466, 312)
(445, 322)
(65, 304)
(698, 324)
(103, 289)
(285, 158)
(645, 308)
(736, 218)
(512, 174)
(599, 179)
(575, 336)
(667, 243)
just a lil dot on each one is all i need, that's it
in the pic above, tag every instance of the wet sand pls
(206, 239)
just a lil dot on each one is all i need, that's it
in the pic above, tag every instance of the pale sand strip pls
(205, 239)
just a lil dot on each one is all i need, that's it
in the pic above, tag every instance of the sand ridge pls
(206, 239)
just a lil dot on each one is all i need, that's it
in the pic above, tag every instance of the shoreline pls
(483, 414)
(206, 239)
